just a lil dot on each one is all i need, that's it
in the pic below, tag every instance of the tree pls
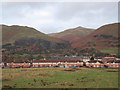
(39, 57)
(92, 58)
(31, 57)
(94, 44)
(11, 57)
(4, 58)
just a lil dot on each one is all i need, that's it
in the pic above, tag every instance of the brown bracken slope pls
(105, 37)
(72, 34)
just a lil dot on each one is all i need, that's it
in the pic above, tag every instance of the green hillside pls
(15, 32)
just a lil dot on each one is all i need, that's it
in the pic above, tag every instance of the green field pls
(59, 78)
(113, 51)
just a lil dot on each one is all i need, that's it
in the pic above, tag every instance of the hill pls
(12, 33)
(28, 42)
(72, 34)
(103, 39)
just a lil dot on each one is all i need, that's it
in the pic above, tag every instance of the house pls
(85, 59)
(43, 63)
(106, 59)
(60, 63)
(72, 62)
(109, 57)
(117, 58)
(98, 58)
(3, 49)
(95, 64)
(113, 64)
(16, 64)
(2, 65)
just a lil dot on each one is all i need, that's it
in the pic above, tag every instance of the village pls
(66, 62)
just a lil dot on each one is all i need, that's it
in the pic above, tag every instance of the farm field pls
(60, 78)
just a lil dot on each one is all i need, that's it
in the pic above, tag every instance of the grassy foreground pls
(59, 78)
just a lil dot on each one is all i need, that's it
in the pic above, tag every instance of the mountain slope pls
(104, 38)
(26, 40)
(15, 32)
(72, 34)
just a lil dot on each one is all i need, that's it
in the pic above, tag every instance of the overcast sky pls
(58, 16)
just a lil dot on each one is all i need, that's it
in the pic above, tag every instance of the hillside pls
(15, 32)
(103, 39)
(72, 34)
(23, 40)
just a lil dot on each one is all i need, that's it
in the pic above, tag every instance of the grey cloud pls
(50, 17)
(86, 10)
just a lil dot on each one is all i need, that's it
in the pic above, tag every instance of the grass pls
(59, 78)
(113, 51)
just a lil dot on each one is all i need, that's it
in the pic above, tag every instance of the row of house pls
(17, 64)
(58, 63)
(62, 63)
(110, 64)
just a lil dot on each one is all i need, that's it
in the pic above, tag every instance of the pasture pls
(60, 78)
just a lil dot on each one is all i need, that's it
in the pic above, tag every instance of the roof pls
(98, 58)
(19, 62)
(94, 61)
(116, 61)
(110, 61)
(37, 61)
(110, 57)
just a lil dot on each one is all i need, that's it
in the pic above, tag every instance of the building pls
(98, 58)
(110, 57)
(85, 59)
(106, 59)
(110, 62)
(57, 63)
(18, 64)
(95, 64)
(113, 64)
(2, 65)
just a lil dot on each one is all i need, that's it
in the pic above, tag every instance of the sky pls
(53, 17)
